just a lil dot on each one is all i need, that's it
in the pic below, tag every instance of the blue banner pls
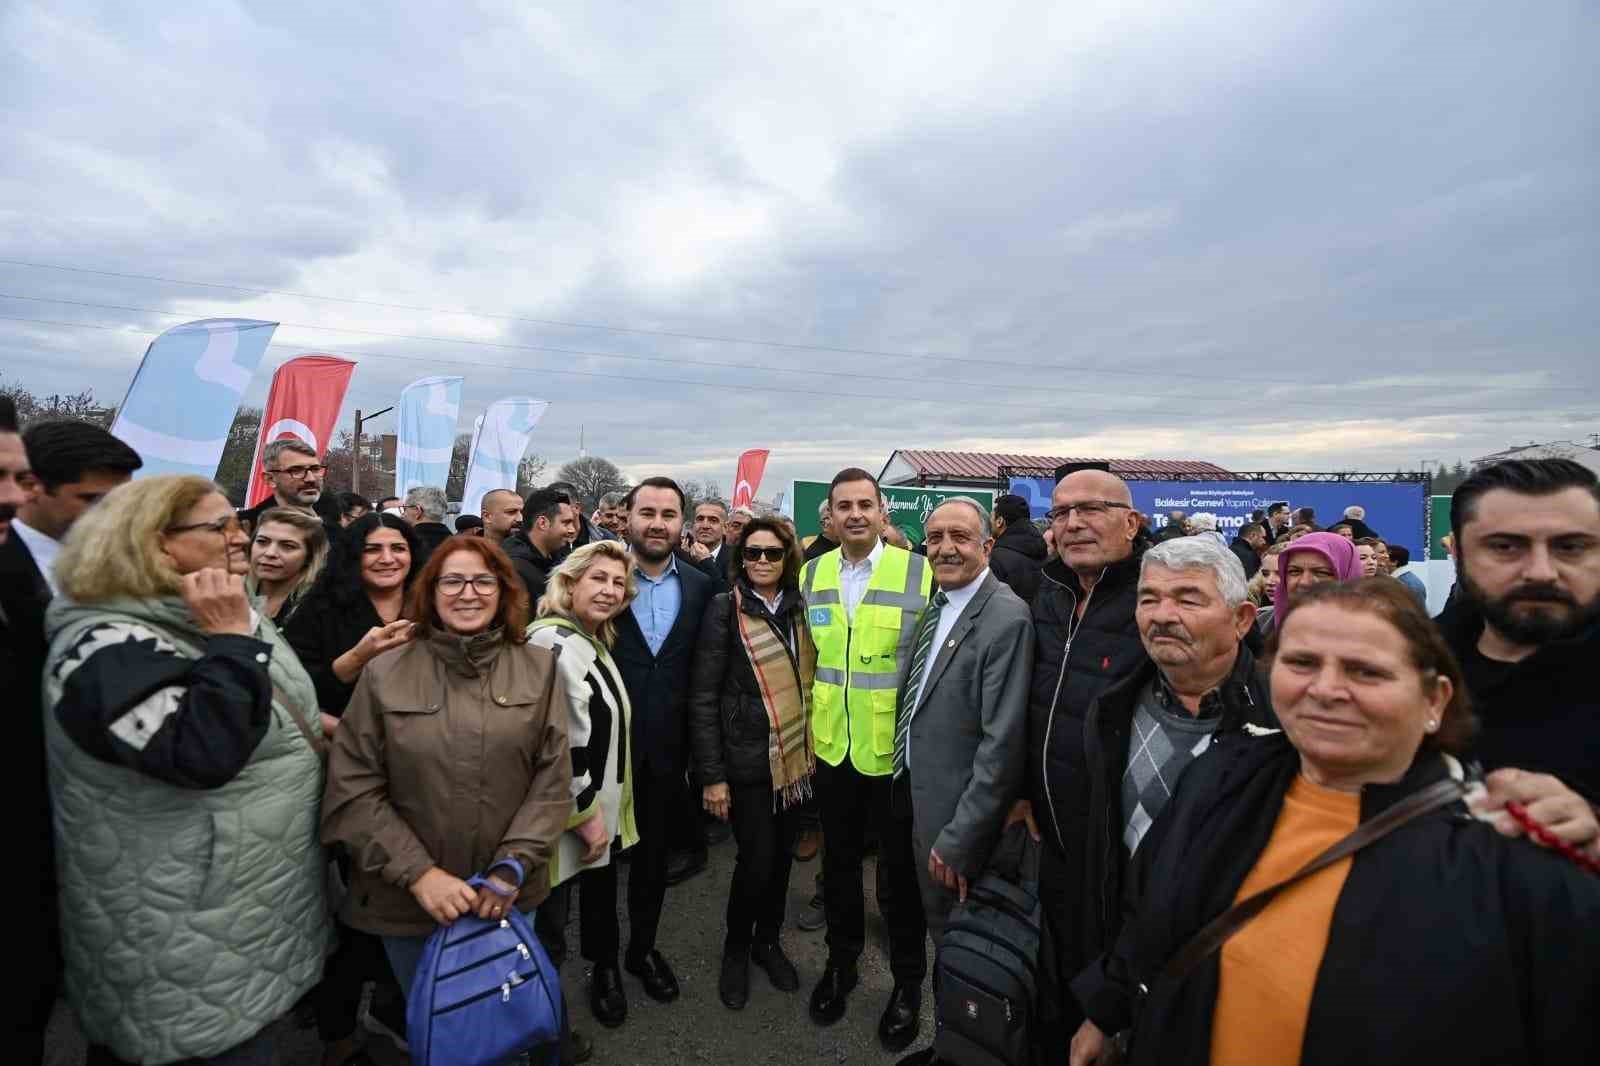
(426, 433)
(186, 391)
(1396, 510)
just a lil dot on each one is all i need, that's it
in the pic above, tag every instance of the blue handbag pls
(484, 992)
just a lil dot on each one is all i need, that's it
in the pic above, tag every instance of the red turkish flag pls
(303, 402)
(747, 478)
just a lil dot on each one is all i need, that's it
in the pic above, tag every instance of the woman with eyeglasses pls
(452, 760)
(182, 741)
(355, 612)
(749, 723)
(287, 554)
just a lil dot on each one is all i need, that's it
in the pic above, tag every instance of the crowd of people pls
(1280, 815)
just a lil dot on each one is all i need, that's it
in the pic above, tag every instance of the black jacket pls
(1247, 557)
(658, 685)
(1449, 943)
(1243, 699)
(330, 522)
(820, 546)
(1105, 648)
(320, 631)
(1541, 714)
(1018, 556)
(716, 569)
(429, 536)
(532, 565)
(728, 724)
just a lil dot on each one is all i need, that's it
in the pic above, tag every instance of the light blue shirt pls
(656, 606)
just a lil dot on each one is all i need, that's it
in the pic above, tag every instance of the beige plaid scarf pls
(787, 699)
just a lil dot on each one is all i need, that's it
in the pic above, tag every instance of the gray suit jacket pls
(969, 733)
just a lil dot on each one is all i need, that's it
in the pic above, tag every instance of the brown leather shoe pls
(807, 845)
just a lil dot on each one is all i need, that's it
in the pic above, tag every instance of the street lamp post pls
(355, 451)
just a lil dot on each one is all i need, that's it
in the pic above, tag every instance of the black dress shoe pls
(715, 832)
(606, 998)
(925, 1057)
(829, 998)
(660, 984)
(682, 865)
(734, 984)
(770, 957)
(901, 1018)
(582, 1048)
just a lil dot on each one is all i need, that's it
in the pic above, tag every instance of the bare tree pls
(233, 470)
(376, 482)
(593, 477)
(528, 472)
(32, 407)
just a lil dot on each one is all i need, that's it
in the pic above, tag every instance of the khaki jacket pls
(452, 753)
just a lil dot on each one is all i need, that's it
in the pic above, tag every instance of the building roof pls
(1587, 454)
(970, 466)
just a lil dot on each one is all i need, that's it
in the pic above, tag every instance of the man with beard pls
(1526, 628)
(654, 652)
(295, 473)
(502, 515)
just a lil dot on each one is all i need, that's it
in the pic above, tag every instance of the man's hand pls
(330, 724)
(592, 831)
(217, 602)
(717, 800)
(1087, 1045)
(947, 876)
(443, 895)
(698, 552)
(496, 897)
(1022, 811)
(1548, 802)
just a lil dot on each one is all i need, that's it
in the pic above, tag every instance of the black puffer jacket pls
(1067, 677)
(728, 724)
(1018, 556)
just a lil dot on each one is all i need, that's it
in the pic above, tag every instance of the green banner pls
(1438, 526)
(909, 506)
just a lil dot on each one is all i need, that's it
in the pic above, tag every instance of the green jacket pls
(192, 913)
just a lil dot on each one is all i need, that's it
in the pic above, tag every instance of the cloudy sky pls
(1317, 235)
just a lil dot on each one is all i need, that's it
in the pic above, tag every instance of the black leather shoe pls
(715, 832)
(901, 1018)
(770, 957)
(682, 865)
(925, 1057)
(660, 983)
(829, 998)
(734, 984)
(582, 1048)
(606, 998)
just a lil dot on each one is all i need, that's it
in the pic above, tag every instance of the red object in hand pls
(1549, 839)
(1105, 662)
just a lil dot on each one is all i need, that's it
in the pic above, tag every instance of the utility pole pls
(355, 449)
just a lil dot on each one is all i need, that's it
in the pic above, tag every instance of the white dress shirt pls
(959, 598)
(44, 550)
(854, 577)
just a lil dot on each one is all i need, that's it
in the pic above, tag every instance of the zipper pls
(502, 990)
(486, 960)
(979, 929)
(1066, 654)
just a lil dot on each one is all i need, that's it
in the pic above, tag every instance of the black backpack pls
(985, 975)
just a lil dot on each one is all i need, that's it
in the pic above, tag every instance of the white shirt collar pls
(870, 562)
(44, 549)
(960, 597)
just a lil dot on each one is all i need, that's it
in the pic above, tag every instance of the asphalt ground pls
(774, 1029)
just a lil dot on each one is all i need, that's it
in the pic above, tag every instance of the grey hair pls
(983, 516)
(1202, 553)
(737, 510)
(430, 499)
(611, 499)
(822, 508)
(274, 449)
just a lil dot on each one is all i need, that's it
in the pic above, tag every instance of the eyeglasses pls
(1088, 510)
(300, 473)
(224, 525)
(771, 555)
(455, 584)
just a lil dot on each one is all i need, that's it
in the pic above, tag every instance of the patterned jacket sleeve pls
(130, 698)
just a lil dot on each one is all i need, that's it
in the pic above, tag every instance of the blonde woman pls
(287, 554)
(181, 733)
(576, 618)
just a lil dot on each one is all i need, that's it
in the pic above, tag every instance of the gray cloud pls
(1342, 235)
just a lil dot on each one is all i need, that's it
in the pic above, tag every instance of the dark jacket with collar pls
(1067, 677)
(1449, 943)
(1542, 714)
(429, 536)
(532, 565)
(728, 724)
(250, 516)
(820, 545)
(1248, 558)
(1018, 556)
(322, 629)
(659, 685)
(1242, 700)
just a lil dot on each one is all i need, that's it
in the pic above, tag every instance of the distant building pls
(981, 470)
(1587, 454)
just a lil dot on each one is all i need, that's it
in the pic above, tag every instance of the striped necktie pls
(913, 686)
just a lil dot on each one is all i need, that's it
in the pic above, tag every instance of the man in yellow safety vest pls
(862, 603)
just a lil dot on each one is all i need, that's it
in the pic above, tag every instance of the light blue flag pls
(428, 410)
(187, 390)
(498, 446)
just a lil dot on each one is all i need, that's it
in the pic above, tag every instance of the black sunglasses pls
(771, 555)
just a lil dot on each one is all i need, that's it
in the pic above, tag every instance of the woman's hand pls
(217, 602)
(717, 799)
(592, 832)
(330, 724)
(380, 639)
(1087, 1045)
(496, 897)
(443, 895)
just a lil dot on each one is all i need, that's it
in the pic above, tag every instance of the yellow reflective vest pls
(859, 660)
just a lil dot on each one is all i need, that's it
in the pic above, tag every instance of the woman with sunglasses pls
(181, 733)
(749, 722)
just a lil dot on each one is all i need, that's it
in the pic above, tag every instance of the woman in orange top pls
(1442, 942)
